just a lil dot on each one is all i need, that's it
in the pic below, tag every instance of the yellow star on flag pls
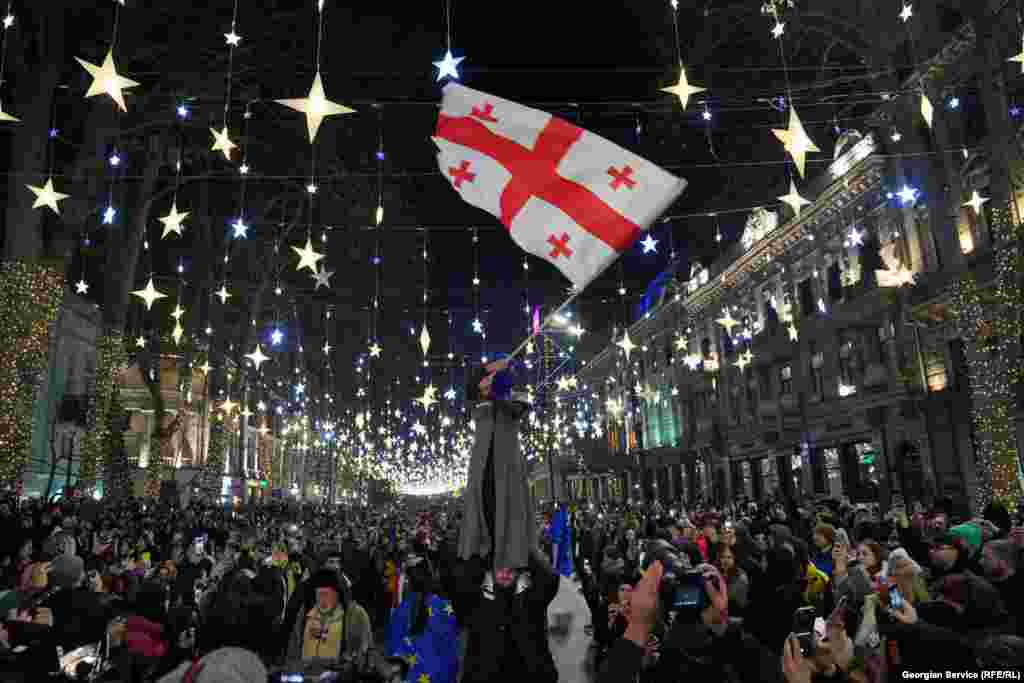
(172, 221)
(47, 196)
(424, 678)
(412, 659)
(149, 294)
(316, 107)
(794, 139)
(683, 89)
(222, 143)
(307, 257)
(5, 117)
(106, 80)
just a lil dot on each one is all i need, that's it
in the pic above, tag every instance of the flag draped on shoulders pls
(432, 654)
(565, 194)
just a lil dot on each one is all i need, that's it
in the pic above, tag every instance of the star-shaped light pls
(261, 406)
(744, 360)
(425, 339)
(257, 357)
(683, 89)
(323, 278)
(223, 293)
(419, 429)
(109, 214)
(778, 29)
(563, 383)
(927, 110)
(47, 196)
(149, 294)
(240, 228)
(106, 80)
(327, 347)
(681, 343)
(450, 394)
(177, 312)
(263, 430)
(626, 344)
(316, 107)
(308, 258)
(232, 39)
(728, 322)
(5, 117)
(81, 287)
(693, 360)
(172, 221)
(906, 12)
(907, 194)
(793, 199)
(428, 398)
(529, 347)
(613, 406)
(222, 143)
(177, 333)
(795, 140)
(228, 405)
(856, 237)
(649, 395)
(205, 368)
(649, 244)
(375, 350)
(8, 21)
(976, 202)
(276, 336)
(140, 342)
(448, 67)
(793, 334)
(1019, 57)
(478, 326)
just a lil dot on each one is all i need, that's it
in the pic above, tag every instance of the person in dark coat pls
(1001, 560)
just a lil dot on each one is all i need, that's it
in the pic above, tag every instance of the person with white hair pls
(226, 665)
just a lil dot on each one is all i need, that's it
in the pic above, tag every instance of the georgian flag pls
(565, 194)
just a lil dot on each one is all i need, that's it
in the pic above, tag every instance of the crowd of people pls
(142, 591)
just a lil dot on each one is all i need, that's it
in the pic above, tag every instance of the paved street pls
(571, 650)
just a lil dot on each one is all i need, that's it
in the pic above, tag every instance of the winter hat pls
(326, 578)
(971, 536)
(902, 554)
(227, 665)
(66, 571)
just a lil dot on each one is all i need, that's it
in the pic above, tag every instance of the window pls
(850, 365)
(786, 380)
(817, 372)
(833, 472)
(748, 480)
(769, 475)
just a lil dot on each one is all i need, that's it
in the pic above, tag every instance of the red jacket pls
(145, 637)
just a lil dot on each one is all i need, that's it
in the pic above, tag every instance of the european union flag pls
(432, 654)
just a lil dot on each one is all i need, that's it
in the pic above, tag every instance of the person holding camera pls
(701, 641)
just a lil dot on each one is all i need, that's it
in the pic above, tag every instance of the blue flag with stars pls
(432, 655)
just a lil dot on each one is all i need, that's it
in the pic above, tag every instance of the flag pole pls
(551, 316)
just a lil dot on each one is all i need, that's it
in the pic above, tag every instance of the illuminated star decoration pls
(744, 360)
(478, 326)
(1019, 57)
(316, 107)
(177, 312)
(448, 67)
(778, 29)
(5, 117)
(81, 287)
(793, 334)
(240, 228)
(47, 196)
(856, 237)
(140, 342)
(683, 89)
(276, 336)
(149, 294)
(728, 322)
(172, 221)
(649, 244)
(927, 110)
(177, 333)
(327, 347)
(375, 350)
(794, 139)
(223, 293)
(228, 405)
(257, 357)
(106, 80)
(425, 339)
(682, 343)
(222, 143)
(450, 394)
(907, 194)
(906, 12)
(428, 398)
(976, 202)
(323, 278)
(8, 21)
(419, 429)
(626, 344)
(563, 384)
(232, 39)
(793, 199)
(693, 360)
(308, 258)
(109, 214)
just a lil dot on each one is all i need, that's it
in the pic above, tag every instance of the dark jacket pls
(507, 630)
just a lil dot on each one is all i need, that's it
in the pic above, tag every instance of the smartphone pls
(895, 599)
(803, 629)
(728, 525)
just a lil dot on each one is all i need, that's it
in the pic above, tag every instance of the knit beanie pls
(902, 554)
(227, 665)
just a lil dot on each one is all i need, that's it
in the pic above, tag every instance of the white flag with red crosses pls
(565, 194)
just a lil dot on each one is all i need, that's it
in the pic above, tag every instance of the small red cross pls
(461, 174)
(621, 177)
(560, 245)
(484, 115)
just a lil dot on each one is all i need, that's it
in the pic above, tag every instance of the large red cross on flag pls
(565, 194)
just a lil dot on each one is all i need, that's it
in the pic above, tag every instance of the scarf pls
(330, 641)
